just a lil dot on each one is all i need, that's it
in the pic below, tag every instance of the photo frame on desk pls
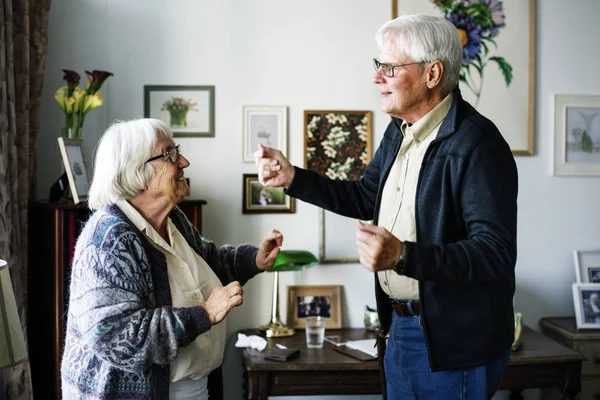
(587, 266)
(494, 61)
(337, 144)
(310, 301)
(76, 166)
(586, 299)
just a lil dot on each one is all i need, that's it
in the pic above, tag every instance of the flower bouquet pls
(478, 22)
(178, 108)
(76, 102)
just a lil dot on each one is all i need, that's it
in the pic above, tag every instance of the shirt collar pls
(424, 126)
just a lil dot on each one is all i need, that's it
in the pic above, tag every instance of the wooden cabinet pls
(53, 231)
(584, 341)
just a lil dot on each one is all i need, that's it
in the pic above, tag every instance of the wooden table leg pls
(572, 381)
(516, 395)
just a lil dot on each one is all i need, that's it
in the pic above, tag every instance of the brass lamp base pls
(276, 329)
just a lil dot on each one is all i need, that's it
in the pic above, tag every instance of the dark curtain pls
(23, 47)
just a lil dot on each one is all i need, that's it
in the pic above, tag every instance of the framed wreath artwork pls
(337, 144)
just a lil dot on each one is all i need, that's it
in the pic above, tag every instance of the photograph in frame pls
(577, 135)
(587, 266)
(337, 144)
(308, 301)
(491, 95)
(266, 125)
(76, 166)
(258, 199)
(188, 110)
(586, 300)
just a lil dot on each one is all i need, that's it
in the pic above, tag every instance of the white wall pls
(312, 54)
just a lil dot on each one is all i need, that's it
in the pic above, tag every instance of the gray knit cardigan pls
(122, 331)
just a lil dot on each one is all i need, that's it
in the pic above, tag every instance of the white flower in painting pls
(331, 118)
(330, 152)
(364, 158)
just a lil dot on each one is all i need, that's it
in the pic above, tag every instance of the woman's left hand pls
(268, 250)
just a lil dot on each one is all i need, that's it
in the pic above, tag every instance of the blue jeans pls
(409, 378)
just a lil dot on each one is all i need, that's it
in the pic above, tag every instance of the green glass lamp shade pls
(293, 260)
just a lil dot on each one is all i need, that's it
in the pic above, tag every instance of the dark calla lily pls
(95, 80)
(72, 78)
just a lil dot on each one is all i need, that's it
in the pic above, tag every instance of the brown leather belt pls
(403, 310)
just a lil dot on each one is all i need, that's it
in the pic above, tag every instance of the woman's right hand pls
(222, 300)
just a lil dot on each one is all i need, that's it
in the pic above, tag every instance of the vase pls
(178, 119)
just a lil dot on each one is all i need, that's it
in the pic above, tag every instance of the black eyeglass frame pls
(378, 64)
(173, 155)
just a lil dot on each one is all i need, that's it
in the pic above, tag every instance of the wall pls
(312, 55)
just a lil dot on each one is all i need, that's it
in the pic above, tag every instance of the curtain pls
(23, 47)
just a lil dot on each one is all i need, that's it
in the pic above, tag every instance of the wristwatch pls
(400, 263)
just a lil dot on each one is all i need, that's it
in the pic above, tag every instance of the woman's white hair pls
(425, 38)
(120, 169)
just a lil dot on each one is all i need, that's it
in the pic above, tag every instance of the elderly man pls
(442, 193)
(148, 294)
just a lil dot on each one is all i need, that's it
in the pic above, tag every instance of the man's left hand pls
(378, 249)
(268, 250)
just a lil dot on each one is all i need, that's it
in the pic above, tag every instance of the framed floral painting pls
(497, 76)
(337, 144)
(188, 110)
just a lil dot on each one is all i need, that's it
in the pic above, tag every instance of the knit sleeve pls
(112, 303)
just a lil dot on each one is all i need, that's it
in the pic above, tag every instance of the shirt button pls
(398, 189)
(385, 283)
(417, 141)
(197, 296)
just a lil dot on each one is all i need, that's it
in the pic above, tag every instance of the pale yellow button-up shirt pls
(397, 210)
(191, 281)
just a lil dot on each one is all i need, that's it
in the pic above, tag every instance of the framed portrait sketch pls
(312, 301)
(577, 135)
(77, 167)
(497, 76)
(188, 110)
(586, 299)
(337, 144)
(587, 266)
(258, 199)
(266, 125)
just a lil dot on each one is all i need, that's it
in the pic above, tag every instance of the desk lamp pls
(12, 342)
(287, 260)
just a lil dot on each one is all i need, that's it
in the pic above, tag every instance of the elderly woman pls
(148, 293)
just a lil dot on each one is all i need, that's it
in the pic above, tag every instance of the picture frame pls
(266, 125)
(188, 110)
(587, 266)
(576, 135)
(496, 100)
(346, 158)
(314, 300)
(586, 299)
(77, 167)
(258, 199)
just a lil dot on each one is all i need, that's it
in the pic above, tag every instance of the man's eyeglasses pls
(388, 69)
(173, 155)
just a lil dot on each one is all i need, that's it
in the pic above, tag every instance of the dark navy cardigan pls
(466, 219)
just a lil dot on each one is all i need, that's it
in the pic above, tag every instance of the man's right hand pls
(273, 168)
(222, 300)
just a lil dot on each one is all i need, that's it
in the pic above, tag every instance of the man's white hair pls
(120, 169)
(425, 38)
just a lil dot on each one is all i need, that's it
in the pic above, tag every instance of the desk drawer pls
(591, 351)
(324, 382)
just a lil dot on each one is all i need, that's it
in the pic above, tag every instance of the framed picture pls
(310, 301)
(586, 298)
(587, 266)
(337, 144)
(258, 199)
(188, 110)
(266, 125)
(577, 135)
(500, 77)
(77, 167)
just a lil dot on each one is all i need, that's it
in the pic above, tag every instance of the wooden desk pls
(539, 363)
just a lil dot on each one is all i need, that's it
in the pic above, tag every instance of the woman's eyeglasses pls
(173, 155)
